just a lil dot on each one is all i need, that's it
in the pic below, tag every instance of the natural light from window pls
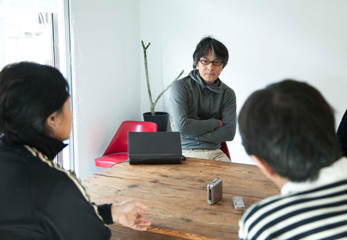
(34, 30)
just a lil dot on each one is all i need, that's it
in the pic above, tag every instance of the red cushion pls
(111, 159)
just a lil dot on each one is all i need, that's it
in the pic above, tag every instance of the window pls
(38, 31)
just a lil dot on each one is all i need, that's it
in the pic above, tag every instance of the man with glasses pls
(203, 107)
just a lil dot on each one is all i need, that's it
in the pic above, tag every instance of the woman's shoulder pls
(12, 155)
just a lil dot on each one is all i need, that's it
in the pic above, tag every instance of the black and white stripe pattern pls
(319, 213)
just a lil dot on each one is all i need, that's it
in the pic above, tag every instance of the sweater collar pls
(216, 87)
(47, 145)
(333, 173)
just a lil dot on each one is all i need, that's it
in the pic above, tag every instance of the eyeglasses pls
(215, 62)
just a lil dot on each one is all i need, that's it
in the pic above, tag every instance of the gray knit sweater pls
(196, 108)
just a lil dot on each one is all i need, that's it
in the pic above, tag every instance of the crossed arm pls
(227, 131)
(208, 130)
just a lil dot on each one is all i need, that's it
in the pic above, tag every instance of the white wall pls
(106, 66)
(268, 41)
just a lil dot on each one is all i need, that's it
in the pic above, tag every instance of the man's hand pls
(130, 214)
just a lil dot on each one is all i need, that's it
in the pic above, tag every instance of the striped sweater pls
(310, 210)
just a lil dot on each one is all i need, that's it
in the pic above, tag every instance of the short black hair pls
(29, 94)
(209, 43)
(290, 126)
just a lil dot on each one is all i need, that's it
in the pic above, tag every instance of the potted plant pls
(160, 118)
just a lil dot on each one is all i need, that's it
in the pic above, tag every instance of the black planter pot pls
(160, 118)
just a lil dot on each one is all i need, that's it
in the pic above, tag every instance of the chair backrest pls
(119, 142)
(224, 148)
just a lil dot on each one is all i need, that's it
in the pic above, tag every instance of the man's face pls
(209, 73)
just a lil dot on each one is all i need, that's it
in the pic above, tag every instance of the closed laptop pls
(154, 148)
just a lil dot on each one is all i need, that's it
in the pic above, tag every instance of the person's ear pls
(269, 172)
(264, 167)
(52, 122)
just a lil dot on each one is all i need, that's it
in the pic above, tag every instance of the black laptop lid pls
(154, 147)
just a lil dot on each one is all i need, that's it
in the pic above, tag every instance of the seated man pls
(342, 133)
(203, 107)
(288, 129)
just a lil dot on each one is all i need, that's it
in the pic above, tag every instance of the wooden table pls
(177, 198)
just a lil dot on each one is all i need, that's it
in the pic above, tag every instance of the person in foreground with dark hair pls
(39, 199)
(342, 133)
(203, 107)
(288, 129)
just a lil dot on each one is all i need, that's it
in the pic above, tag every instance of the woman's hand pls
(130, 214)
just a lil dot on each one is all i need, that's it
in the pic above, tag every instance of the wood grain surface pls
(177, 197)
